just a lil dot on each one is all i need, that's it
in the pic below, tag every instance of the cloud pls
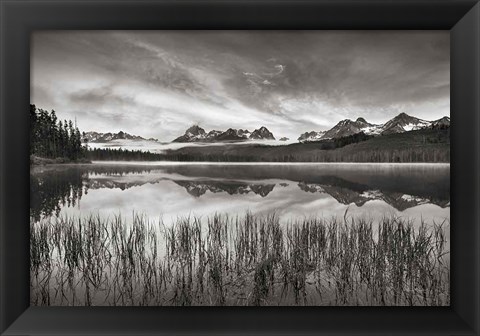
(159, 82)
(99, 96)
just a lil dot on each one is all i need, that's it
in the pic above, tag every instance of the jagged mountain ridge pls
(349, 127)
(109, 136)
(399, 124)
(404, 123)
(197, 134)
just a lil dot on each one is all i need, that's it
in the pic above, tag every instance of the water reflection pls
(51, 190)
(295, 190)
(199, 188)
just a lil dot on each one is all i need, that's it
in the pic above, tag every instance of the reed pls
(243, 260)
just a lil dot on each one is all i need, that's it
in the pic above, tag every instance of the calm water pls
(294, 191)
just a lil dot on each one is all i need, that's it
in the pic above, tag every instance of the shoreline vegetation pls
(40, 161)
(244, 260)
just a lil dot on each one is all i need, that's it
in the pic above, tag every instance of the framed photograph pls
(224, 167)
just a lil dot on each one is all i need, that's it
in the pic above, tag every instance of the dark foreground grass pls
(247, 260)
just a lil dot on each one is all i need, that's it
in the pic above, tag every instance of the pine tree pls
(51, 138)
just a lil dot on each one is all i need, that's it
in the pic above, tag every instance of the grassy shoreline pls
(248, 260)
(41, 161)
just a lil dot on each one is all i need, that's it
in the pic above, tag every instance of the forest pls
(120, 154)
(51, 138)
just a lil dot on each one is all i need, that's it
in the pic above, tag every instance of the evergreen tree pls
(51, 138)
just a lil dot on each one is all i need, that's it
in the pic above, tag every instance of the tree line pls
(394, 155)
(120, 154)
(52, 138)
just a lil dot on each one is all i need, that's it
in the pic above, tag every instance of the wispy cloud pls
(157, 83)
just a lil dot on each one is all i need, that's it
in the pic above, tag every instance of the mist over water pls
(161, 147)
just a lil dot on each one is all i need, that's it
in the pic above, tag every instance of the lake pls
(240, 234)
(168, 191)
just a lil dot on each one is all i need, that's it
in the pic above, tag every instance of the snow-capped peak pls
(311, 136)
(399, 124)
(107, 137)
(198, 134)
(404, 123)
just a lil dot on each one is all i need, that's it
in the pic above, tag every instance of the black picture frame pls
(19, 18)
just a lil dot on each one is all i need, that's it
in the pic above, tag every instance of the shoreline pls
(215, 163)
(39, 162)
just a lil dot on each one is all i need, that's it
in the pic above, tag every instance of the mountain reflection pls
(199, 188)
(52, 188)
(399, 201)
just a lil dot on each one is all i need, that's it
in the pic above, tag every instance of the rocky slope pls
(399, 124)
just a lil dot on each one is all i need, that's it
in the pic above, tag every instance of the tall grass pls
(246, 260)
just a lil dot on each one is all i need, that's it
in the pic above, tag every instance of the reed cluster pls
(244, 260)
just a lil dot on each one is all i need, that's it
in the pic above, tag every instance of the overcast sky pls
(158, 83)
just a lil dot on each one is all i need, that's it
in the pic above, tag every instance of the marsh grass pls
(245, 260)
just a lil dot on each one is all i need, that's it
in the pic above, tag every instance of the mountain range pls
(107, 137)
(399, 124)
(198, 134)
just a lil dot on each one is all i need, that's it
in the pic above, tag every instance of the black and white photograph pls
(240, 168)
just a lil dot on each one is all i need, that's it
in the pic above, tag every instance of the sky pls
(159, 83)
